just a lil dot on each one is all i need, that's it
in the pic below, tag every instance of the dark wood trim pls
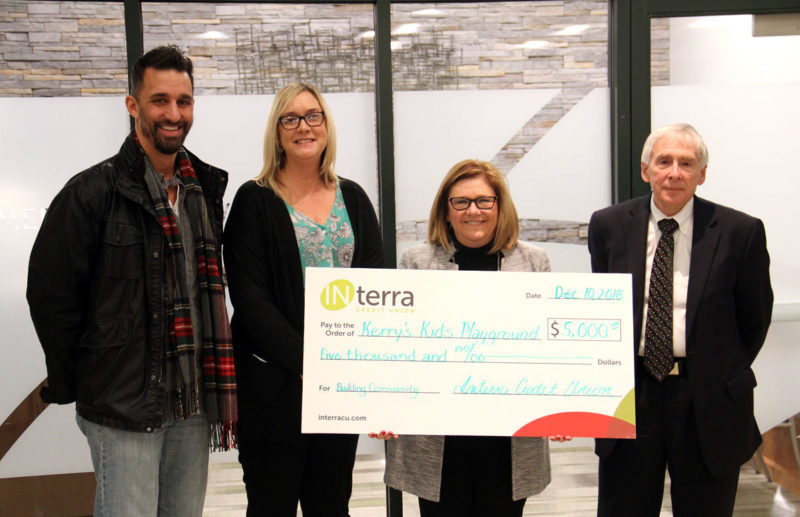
(134, 33)
(670, 8)
(778, 455)
(134, 39)
(20, 419)
(640, 94)
(619, 74)
(57, 495)
(384, 121)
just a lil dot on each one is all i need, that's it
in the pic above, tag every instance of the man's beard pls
(164, 145)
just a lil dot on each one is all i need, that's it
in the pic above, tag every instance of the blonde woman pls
(297, 213)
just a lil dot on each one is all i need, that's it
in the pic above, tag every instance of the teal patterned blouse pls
(324, 245)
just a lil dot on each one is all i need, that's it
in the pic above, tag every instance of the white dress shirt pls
(680, 271)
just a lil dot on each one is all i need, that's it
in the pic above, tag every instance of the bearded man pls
(126, 293)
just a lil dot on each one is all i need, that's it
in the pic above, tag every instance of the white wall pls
(722, 50)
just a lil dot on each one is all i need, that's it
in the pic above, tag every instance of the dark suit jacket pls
(728, 312)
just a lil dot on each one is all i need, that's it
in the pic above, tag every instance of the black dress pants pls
(317, 471)
(476, 480)
(631, 478)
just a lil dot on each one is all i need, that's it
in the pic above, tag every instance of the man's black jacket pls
(95, 290)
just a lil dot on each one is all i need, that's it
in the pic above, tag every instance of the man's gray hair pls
(684, 131)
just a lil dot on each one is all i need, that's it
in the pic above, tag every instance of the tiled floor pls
(572, 492)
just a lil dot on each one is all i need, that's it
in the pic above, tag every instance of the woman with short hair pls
(473, 226)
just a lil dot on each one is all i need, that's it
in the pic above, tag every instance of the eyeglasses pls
(462, 203)
(313, 119)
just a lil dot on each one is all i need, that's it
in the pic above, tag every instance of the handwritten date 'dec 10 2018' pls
(588, 293)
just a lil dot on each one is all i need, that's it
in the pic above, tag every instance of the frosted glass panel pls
(752, 133)
(38, 159)
(520, 84)
(722, 50)
(437, 129)
(229, 132)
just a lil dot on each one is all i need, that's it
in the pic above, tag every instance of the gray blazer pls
(414, 463)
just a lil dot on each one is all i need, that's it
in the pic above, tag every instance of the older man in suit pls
(702, 305)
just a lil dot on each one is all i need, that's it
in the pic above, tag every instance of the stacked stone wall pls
(534, 230)
(78, 48)
(51, 49)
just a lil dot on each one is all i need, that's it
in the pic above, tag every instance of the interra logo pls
(339, 293)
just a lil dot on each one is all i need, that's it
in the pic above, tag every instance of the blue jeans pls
(162, 473)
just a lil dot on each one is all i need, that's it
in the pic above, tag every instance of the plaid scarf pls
(219, 380)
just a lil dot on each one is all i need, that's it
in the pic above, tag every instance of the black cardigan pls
(265, 280)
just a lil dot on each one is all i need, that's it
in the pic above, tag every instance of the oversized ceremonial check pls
(468, 353)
